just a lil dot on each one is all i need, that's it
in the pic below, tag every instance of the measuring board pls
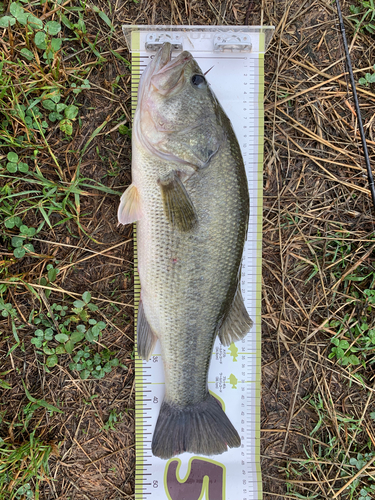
(236, 55)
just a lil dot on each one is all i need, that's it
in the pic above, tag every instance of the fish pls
(189, 198)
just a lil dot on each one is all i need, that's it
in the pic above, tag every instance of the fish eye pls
(198, 81)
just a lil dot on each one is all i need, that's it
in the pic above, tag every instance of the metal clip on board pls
(154, 41)
(230, 41)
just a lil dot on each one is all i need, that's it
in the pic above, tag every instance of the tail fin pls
(203, 428)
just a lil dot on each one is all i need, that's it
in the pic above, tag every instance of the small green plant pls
(19, 242)
(90, 399)
(53, 343)
(8, 311)
(113, 419)
(355, 340)
(363, 16)
(339, 249)
(15, 165)
(77, 89)
(81, 306)
(370, 299)
(18, 14)
(342, 351)
(24, 491)
(52, 273)
(32, 117)
(74, 326)
(87, 363)
(56, 108)
(367, 493)
(3, 383)
(124, 130)
(368, 78)
(33, 405)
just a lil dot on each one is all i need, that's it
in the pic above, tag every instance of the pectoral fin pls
(146, 339)
(178, 206)
(237, 323)
(129, 209)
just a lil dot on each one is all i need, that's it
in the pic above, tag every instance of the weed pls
(19, 242)
(8, 311)
(33, 405)
(363, 16)
(48, 198)
(368, 78)
(327, 458)
(56, 108)
(124, 130)
(23, 467)
(113, 419)
(90, 399)
(77, 89)
(74, 325)
(15, 165)
(338, 249)
(62, 330)
(3, 383)
(87, 363)
(40, 106)
(355, 340)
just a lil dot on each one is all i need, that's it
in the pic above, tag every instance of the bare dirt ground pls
(318, 240)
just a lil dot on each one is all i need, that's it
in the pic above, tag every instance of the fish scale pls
(174, 293)
(183, 286)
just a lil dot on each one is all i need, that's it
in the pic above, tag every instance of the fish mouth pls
(163, 73)
(168, 73)
(164, 58)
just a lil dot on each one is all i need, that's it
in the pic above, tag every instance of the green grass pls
(42, 86)
(23, 467)
(363, 16)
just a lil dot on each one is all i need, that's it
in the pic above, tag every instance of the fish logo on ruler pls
(234, 375)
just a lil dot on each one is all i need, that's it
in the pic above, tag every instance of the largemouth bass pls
(189, 196)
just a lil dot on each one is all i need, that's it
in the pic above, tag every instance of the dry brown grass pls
(315, 194)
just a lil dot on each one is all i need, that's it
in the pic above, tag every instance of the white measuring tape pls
(236, 56)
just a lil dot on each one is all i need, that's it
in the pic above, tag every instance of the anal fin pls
(178, 207)
(146, 339)
(237, 323)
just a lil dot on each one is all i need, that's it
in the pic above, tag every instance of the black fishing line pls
(358, 111)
